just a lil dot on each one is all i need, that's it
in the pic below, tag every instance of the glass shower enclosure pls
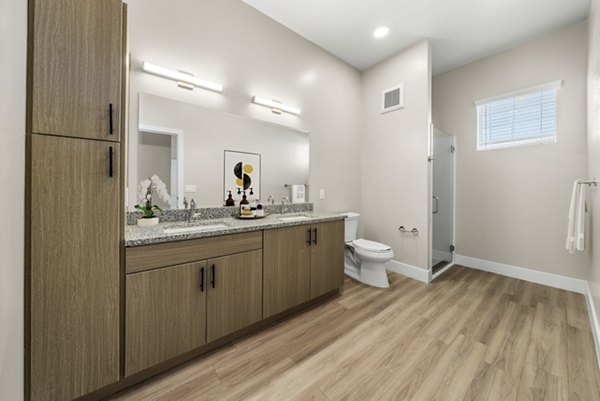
(442, 201)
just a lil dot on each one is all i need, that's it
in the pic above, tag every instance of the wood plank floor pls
(469, 335)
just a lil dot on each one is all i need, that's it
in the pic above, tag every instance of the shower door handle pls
(436, 201)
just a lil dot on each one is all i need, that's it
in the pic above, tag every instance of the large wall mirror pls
(201, 153)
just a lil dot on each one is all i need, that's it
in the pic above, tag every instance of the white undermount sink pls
(194, 229)
(293, 218)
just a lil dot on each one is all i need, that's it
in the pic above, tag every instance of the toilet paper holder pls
(414, 231)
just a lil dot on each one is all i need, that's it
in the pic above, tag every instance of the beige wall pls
(512, 203)
(13, 36)
(229, 42)
(395, 171)
(594, 145)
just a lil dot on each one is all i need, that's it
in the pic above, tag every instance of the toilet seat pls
(371, 246)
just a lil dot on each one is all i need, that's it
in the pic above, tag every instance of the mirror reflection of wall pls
(207, 134)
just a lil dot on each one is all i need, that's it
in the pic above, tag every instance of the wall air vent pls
(393, 99)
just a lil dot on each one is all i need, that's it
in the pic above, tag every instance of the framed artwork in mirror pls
(242, 170)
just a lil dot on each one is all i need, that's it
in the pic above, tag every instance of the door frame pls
(177, 181)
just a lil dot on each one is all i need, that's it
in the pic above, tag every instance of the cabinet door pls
(165, 314)
(77, 65)
(234, 293)
(74, 267)
(327, 258)
(286, 268)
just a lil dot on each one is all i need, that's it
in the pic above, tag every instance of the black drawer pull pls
(202, 279)
(214, 278)
(309, 232)
(110, 119)
(315, 239)
(110, 161)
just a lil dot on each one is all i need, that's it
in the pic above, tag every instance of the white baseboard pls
(593, 319)
(522, 273)
(409, 271)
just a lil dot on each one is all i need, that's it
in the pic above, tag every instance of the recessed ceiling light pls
(381, 32)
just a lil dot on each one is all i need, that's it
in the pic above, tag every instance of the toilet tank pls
(351, 226)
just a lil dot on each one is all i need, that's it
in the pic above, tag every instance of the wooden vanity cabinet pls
(301, 263)
(173, 310)
(73, 280)
(326, 257)
(77, 68)
(287, 254)
(165, 314)
(234, 293)
(74, 196)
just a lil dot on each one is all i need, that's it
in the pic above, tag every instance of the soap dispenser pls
(229, 201)
(244, 204)
(244, 200)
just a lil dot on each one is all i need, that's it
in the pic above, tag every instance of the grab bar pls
(437, 201)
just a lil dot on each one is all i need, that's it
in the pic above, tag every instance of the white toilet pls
(365, 260)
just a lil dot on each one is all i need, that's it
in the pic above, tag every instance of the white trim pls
(409, 271)
(516, 144)
(177, 137)
(522, 273)
(593, 319)
(548, 85)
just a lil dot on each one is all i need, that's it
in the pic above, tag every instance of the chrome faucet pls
(285, 200)
(271, 199)
(191, 215)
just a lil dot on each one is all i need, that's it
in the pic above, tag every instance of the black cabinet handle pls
(214, 274)
(110, 161)
(202, 279)
(315, 239)
(309, 232)
(110, 119)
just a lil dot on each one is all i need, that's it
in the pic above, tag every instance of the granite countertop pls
(139, 236)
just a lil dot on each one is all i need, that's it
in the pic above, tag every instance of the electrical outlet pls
(322, 194)
(190, 189)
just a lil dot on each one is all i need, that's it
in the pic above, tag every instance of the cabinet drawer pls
(174, 253)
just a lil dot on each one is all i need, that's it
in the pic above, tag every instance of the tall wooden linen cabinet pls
(75, 196)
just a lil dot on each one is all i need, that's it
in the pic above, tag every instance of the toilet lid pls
(371, 246)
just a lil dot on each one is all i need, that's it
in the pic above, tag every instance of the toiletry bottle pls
(244, 201)
(252, 202)
(238, 196)
(229, 201)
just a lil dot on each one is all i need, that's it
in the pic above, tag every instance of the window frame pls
(555, 85)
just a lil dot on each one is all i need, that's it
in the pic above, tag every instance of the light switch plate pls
(190, 189)
(322, 194)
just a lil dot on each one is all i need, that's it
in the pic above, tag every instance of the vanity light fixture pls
(183, 79)
(276, 106)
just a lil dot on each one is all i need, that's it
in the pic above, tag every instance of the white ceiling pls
(461, 30)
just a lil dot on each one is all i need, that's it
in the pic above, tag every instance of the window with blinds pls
(519, 118)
